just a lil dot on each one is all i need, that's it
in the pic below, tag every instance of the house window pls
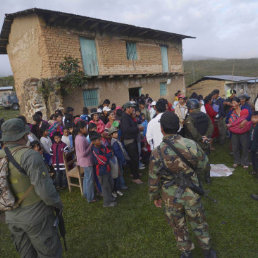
(164, 57)
(163, 89)
(131, 51)
(89, 56)
(90, 98)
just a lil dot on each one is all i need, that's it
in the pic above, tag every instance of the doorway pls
(134, 93)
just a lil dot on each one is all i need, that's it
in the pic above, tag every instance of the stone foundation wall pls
(32, 101)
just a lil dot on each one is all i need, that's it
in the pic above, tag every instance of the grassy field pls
(195, 69)
(135, 228)
(8, 113)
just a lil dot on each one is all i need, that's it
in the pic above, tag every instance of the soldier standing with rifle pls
(198, 127)
(32, 223)
(173, 181)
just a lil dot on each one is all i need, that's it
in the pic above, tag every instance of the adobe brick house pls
(120, 60)
(223, 83)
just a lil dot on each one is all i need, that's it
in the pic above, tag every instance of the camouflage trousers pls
(178, 212)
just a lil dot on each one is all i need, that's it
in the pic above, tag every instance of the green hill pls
(7, 81)
(195, 69)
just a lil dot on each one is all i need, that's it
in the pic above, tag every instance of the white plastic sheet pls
(220, 170)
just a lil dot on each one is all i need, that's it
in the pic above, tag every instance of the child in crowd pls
(101, 156)
(91, 128)
(70, 128)
(254, 143)
(52, 119)
(121, 156)
(35, 145)
(65, 137)
(85, 160)
(144, 123)
(46, 144)
(57, 151)
(85, 115)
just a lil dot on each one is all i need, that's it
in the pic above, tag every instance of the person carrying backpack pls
(31, 217)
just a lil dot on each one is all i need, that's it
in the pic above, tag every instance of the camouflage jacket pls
(192, 152)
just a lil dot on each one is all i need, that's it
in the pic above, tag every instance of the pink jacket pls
(235, 126)
(83, 152)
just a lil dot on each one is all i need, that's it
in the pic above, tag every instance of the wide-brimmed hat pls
(129, 104)
(93, 111)
(13, 130)
(106, 109)
(112, 130)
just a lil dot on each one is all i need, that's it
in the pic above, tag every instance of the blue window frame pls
(131, 51)
(164, 57)
(163, 89)
(89, 56)
(90, 98)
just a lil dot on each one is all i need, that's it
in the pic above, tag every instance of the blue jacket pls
(144, 124)
(248, 107)
(119, 154)
(219, 102)
(101, 157)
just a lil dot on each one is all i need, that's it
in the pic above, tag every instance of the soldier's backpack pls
(7, 198)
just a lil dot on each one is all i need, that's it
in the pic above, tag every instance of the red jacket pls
(57, 151)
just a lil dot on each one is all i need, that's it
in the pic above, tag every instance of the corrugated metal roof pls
(6, 88)
(84, 23)
(230, 78)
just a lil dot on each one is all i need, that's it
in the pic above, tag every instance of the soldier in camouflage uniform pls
(32, 223)
(180, 203)
(198, 127)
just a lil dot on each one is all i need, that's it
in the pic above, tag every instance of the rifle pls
(185, 180)
(59, 221)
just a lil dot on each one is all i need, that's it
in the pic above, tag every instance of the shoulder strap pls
(180, 155)
(12, 160)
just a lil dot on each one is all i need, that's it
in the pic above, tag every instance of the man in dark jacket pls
(198, 127)
(130, 130)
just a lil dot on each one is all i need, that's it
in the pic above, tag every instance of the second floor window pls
(131, 51)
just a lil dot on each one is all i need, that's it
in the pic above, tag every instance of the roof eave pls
(139, 31)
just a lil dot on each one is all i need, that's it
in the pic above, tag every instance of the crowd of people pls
(109, 138)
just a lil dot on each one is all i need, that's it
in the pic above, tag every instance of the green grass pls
(8, 113)
(135, 228)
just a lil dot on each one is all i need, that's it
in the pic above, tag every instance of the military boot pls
(186, 255)
(210, 253)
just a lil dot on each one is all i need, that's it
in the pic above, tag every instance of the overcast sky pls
(224, 28)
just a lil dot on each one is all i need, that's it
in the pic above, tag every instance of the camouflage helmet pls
(192, 104)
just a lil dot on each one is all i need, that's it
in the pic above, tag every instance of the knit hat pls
(13, 130)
